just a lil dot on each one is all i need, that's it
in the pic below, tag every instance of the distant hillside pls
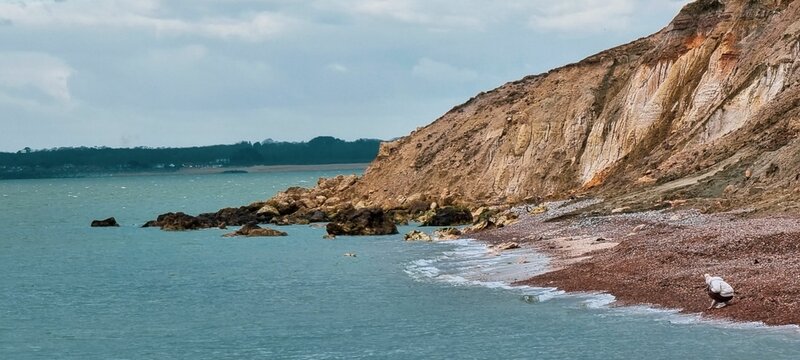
(67, 162)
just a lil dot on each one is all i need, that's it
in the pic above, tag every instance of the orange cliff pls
(711, 98)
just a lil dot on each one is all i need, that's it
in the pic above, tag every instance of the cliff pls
(705, 108)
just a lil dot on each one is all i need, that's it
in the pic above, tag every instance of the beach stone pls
(417, 235)
(110, 222)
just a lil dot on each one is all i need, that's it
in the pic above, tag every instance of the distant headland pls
(100, 161)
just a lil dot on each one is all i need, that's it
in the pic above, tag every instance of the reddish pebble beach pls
(659, 258)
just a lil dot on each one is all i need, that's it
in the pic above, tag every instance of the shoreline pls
(657, 259)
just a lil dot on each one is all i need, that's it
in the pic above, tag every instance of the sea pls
(69, 291)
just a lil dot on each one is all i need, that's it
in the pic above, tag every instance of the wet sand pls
(658, 258)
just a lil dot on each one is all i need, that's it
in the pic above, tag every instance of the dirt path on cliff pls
(659, 258)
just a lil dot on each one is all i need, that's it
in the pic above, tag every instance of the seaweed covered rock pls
(366, 221)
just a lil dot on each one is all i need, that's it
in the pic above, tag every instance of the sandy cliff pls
(705, 108)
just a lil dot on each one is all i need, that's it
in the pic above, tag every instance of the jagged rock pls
(253, 230)
(506, 246)
(366, 221)
(110, 222)
(449, 216)
(447, 234)
(417, 235)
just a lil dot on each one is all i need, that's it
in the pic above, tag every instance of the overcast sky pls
(125, 73)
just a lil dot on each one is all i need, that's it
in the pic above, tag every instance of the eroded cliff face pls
(708, 107)
(715, 89)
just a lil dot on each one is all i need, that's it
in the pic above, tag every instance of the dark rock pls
(253, 230)
(181, 222)
(318, 217)
(366, 221)
(151, 223)
(110, 222)
(227, 217)
(449, 216)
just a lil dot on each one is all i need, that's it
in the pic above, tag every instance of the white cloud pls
(432, 14)
(339, 68)
(438, 71)
(40, 72)
(584, 15)
(142, 14)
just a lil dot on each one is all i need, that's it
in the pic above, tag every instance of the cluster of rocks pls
(221, 219)
(331, 201)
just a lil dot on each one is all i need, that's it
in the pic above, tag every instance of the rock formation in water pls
(110, 222)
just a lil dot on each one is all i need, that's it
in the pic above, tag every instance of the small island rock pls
(110, 222)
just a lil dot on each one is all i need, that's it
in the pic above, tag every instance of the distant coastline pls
(324, 151)
(250, 169)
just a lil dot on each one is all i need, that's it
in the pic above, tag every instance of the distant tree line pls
(29, 163)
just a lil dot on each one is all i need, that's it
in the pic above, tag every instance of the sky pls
(124, 73)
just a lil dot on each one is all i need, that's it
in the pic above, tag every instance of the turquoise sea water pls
(68, 291)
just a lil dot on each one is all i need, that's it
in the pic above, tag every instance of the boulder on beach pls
(449, 216)
(253, 230)
(417, 235)
(366, 221)
(110, 222)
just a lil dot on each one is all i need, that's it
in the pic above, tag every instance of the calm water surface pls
(72, 292)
